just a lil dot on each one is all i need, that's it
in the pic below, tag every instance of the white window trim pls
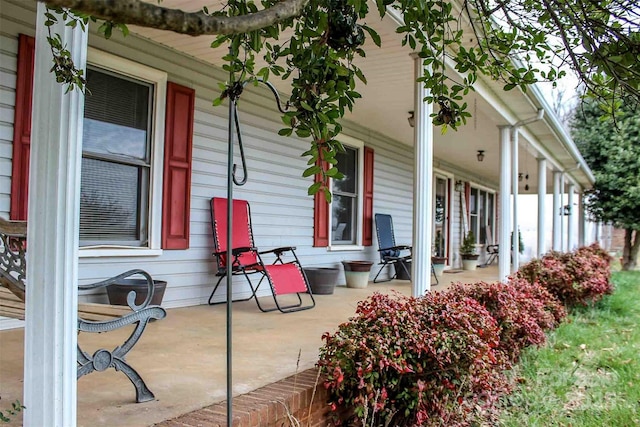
(358, 145)
(495, 213)
(158, 78)
(449, 177)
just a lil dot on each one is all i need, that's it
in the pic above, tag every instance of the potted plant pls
(438, 260)
(468, 252)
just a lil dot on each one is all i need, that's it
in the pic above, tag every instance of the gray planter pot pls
(322, 280)
(118, 292)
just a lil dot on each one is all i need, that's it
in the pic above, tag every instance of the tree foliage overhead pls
(314, 43)
(612, 151)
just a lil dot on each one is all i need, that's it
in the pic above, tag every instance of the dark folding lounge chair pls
(390, 253)
(284, 276)
(492, 250)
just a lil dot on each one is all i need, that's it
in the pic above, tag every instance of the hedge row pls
(441, 359)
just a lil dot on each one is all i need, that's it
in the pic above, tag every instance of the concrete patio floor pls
(183, 357)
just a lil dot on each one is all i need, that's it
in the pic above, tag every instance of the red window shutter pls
(22, 129)
(320, 217)
(177, 167)
(367, 211)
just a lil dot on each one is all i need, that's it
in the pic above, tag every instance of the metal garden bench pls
(91, 317)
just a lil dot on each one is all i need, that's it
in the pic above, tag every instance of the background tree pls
(612, 151)
(314, 43)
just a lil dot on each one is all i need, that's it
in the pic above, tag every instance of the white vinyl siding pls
(282, 212)
(8, 67)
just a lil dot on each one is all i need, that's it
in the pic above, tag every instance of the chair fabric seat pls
(286, 278)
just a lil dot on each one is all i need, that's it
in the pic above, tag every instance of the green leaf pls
(375, 37)
(314, 188)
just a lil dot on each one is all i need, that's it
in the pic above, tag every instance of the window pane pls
(116, 147)
(473, 201)
(348, 165)
(110, 202)
(111, 139)
(474, 226)
(116, 116)
(343, 226)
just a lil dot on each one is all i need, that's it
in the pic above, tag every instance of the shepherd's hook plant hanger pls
(233, 92)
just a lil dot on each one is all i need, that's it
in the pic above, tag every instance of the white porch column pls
(571, 237)
(422, 186)
(515, 253)
(52, 257)
(582, 220)
(504, 252)
(562, 215)
(556, 211)
(542, 197)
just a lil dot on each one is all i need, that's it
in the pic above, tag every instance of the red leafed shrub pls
(575, 278)
(523, 311)
(592, 268)
(535, 290)
(403, 361)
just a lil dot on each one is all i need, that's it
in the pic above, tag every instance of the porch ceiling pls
(388, 97)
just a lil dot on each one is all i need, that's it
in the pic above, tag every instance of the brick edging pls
(268, 406)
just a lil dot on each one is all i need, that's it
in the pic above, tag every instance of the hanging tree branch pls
(136, 12)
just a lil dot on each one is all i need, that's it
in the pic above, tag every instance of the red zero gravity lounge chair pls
(284, 277)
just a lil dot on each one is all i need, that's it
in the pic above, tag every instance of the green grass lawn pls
(588, 373)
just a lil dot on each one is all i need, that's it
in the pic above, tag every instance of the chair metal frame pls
(247, 260)
(492, 249)
(392, 255)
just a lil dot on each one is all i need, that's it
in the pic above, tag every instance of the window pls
(121, 176)
(346, 204)
(441, 216)
(481, 214)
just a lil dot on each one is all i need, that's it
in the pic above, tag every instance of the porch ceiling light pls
(412, 119)
(480, 155)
